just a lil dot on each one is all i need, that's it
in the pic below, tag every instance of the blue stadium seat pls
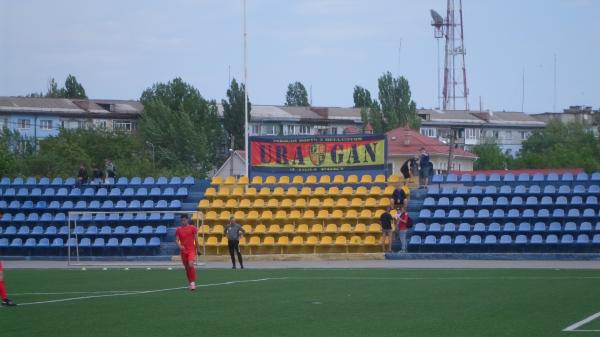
(35, 193)
(551, 241)
(119, 230)
(494, 227)
(479, 228)
(154, 242)
(63, 230)
(89, 192)
(147, 230)
(14, 205)
(593, 190)
(69, 182)
(585, 226)
(546, 202)
(56, 182)
(182, 192)
(148, 181)
(420, 228)
(590, 214)
(505, 240)
(472, 202)
(464, 227)
(113, 218)
(415, 240)
(435, 228)
(429, 202)
(591, 200)
(155, 192)
(91, 230)
(430, 240)
(112, 243)
(549, 190)
(51, 231)
(162, 181)
(105, 230)
(122, 182)
(128, 193)
(564, 190)
(539, 227)
(531, 202)
(475, 240)
(3, 205)
(134, 205)
(161, 230)
(175, 181)
(528, 214)
(4, 182)
(10, 193)
(480, 178)
(133, 230)
(535, 190)
(168, 217)
(449, 228)
(40, 205)
(544, 214)
(509, 178)
(85, 243)
(491, 191)
(188, 181)
(454, 214)
(115, 193)
(524, 227)
(33, 218)
(490, 240)
(121, 205)
(574, 213)
(554, 227)
(537, 178)
(79, 230)
(98, 243)
(27, 205)
(520, 190)
(451, 178)
(102, 193)
(153, 218)
(10, 230)
(140, 217)
(75, 193)
(557, 213)
(107, 205)
(567, 239)
(552, 177)
(30, 243)
(127, 217)
(447, 191)
(498, 214)
(487, 202)
(583, 239)
(169, 192)
(567, 177)
(148, 204)
(458, 202)
(94, 205)
(516, 202)
(71, 243)
(23, 193)
(57, 243)
(443, 202)
(439, 214)
(19, 218)
(461, 191)
(43, 243)
(62, 193)
(505, 190)
(596, 239)
(81, 205)
(67, 206)
(582, 177)
(135, 181)
(579, 190)
(469, 214)
(460, 240)
(37, 230)
(44, 181)
(523, 178)
(476, 191)
(23, 230)
(126, 243)
(595, 177)
(466, 178)
(175, 204)
(483, 215)
(141, 192)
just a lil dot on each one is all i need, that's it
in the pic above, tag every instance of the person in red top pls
(186, 237)
(3, 296)
(402, 226)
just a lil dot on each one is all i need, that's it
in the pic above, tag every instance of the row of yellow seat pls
(280, 192)
(324, 179)
(298, 203)
(292, 216)
(303, 229)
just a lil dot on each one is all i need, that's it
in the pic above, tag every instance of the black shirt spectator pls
(82, 175)
(386, 220)
(398, 196)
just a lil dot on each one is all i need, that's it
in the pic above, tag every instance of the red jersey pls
(187, 236)
(402, 221)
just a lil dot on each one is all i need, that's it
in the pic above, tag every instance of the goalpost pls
(85, 219)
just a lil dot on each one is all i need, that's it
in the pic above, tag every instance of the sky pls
(118, 48)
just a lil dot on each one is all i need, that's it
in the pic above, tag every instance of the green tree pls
(53, 90)
(73, 89)
(233, 114)
(296, 95)
(8, 159)
(362, 97)
(396, 104)
(490, 157)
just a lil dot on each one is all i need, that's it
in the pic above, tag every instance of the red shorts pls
(186, 257)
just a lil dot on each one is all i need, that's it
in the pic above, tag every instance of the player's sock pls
(3, 294)
(187, 273)
(192, 285)
(192, 274)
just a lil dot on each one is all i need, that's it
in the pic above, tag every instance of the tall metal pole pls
(246, 95)
(554, 96)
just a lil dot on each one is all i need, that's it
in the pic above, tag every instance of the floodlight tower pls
(455, 72)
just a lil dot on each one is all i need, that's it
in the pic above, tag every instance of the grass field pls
(296, 302)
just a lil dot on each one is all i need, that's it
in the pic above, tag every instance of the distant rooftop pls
(71, 107)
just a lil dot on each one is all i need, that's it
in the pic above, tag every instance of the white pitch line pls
(573, 328)
(76, 292)
(458, 278)
(140, 292)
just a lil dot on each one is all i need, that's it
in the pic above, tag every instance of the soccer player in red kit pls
(186, 236)
(3, 295)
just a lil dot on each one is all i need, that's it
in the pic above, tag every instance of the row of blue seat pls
(509, 227)
(506, 190)
(515, 202)
(498, 214)
(61, 218)
(140, 242)
(94, 205)
(80, 230)
(121, 181)
(89, 192)
(512, 178)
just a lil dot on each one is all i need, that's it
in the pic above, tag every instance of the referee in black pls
(233, 231)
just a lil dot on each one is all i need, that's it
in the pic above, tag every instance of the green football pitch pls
(303, 302)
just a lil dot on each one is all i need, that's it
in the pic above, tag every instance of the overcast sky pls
(119, 48)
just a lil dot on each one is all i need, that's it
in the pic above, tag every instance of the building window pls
(123, 125)
(509, 135)
(290, 129)
(429, 132)
(269, 130)
(304, 130)
(3, 123)
(523, 135)
(24, 124)
(255, 129)
(101, 124)
(496, 134)
(45, 124)
(334, 131)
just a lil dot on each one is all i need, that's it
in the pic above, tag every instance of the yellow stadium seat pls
(365, 214)
(356, 203)
(216, 180)
(338, 179)
(217, 203)
(247, 229)
(292, 192)
(243, 180)
(323, 215)
(314, 203)
(375, 191)
(374, 228)
(347, 191)
(286, 203)
(309, 215)
(319, 192)
(316, 228)
(302, 229)
(340, 241)
(294, 215)
(351, 214)
(223, 241)
(366, 179)
(300, 203)
(360, 228)
(370, 241)
(217, 229)
(210, 216)
(311, 240)
(257, 180)
(355, 241)
(268, 241)
(239, 215)
(298, 180)
(328, 203)
(272, 203)
(259, 229)
(288, 229)
(284, 180)
(242, 241)
(377, 213)
(311, 180)
(203, 229)
(245, 203)
(274, 229)
(342, 203)
(237, 192)
(283, 241)
(250, 192)
(380, 178)
(231, 203)
(345, 228)
(278, 192)
(252, 216)
(384, 202)
(204, 204)
(266, 215)
(297, 241)
(210, 192)
(352, 179)
(333, 191)
(264, 192)
(337, 214)
(326, 240)
(229, 181)
(212, 241)
(388, 190)
(258, 203)
(224, 216)
(281, 215)
(393, 179)
(361, 191)
(270, 180)
(223, 192)
(305, 192)
(254, 240)
(331, 228)
(371, 202)
(324, 179)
